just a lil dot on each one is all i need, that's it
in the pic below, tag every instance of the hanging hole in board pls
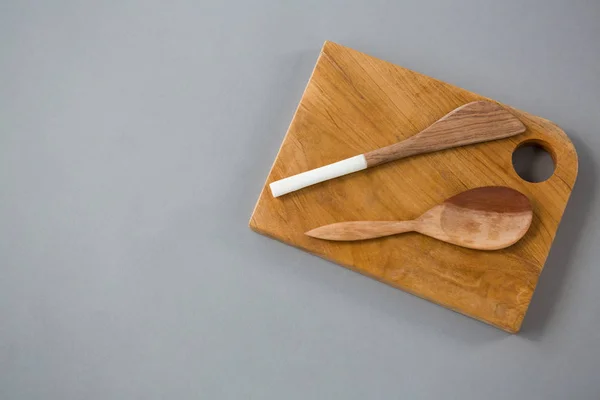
(533, 162)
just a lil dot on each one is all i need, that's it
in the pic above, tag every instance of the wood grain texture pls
(475, 122)
(485, 218)
(355, 103)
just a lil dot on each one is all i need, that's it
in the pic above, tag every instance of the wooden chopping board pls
(354, 103)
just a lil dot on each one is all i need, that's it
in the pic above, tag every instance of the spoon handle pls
(361, 230)
(475, 122)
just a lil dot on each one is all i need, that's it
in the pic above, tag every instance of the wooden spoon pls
(486, 218)
(476, 122)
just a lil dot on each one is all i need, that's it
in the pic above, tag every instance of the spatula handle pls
(308, 178)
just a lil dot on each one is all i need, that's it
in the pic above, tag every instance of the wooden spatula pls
(486, 218)
(475, 122)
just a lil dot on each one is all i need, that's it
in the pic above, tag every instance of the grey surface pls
(135, 137)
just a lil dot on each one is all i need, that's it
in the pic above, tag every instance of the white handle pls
(296, 182)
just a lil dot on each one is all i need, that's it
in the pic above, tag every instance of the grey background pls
(135, 137)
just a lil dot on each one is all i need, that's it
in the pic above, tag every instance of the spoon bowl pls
(485, 218)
